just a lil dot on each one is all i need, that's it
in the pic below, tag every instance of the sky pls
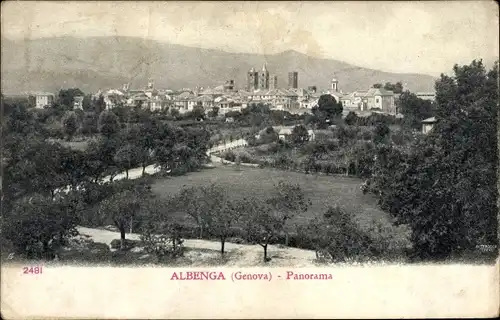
(420, 37)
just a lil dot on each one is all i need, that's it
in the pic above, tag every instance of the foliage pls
(351, 118)
(66, 97)
(445, 188)
(288, 201)
(121, 209)
(267, 135)
(108, 124)
(327, 110)
(70, 123)
(299, 135)
(381, 133)
(414, 109)
(38, 226)
(261, 224)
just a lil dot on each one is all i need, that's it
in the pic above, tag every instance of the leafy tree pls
(160, 234)
(396, 88)
(446, 195)
(70, 123)
(381, 132)
(39, 226)
(299, 135)
(377, 85)
(126, 157)
(351, 118)
(66, 97)
(288, 200)
(328, 109)
(262, 225)
(99, 105)
(414, 109)
(87, 103)
(198, 203)
(268, 135)
(121, 209)
(108, 124)
(336, 237)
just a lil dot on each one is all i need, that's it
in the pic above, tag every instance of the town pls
(261, 88)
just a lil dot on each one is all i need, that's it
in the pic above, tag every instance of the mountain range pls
(49, 64)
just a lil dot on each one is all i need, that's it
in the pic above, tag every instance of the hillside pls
(101, 62)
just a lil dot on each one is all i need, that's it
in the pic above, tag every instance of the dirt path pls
(241, 255)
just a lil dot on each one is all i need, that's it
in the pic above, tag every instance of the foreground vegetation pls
(438, 189)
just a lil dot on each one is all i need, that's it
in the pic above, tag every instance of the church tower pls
(335, 85)
(264, 78)
(252, 80)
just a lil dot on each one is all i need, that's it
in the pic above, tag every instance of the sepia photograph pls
(263, 142)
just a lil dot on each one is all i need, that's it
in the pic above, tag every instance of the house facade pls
(43, 99)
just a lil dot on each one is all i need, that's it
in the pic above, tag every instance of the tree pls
(446, 195)
(414, 109)
(39, 225)
(161, 235)
(198, 203)
(288, 200)
(299, 135)
(268, 135)
(121, 209)
(328, 109)
(70, 123)
(262, 225)
(126, 157)
(351, 118)
(99, 104)
(377, 85)
(381, 132)
(396, 88)
(108, 124)
(336, 237)
(66, 97)
(87, 103)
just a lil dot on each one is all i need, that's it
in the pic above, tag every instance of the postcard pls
(200, 160)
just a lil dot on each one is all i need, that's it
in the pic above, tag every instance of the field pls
(324, 191)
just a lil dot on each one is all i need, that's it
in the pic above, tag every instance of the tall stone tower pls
(335, 85)
(273, 82)
(264, 78)
(151, 84)
(252, 80)
(293, 80)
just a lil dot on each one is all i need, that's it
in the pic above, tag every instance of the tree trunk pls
(201, 231)
(126, 173)
(265, 252)
(122, 238)
(131, 223)
(222, 243)
(143, 169)
(286, 238)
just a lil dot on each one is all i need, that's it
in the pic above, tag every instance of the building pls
(252, 80)
(293, 80)
(379, 98)
(78, 102)
(335, 85)
(431, 96)
(151, 84)
(428, 124)
(273, 82)
(43, 99)
(228, 86)
(264, 78)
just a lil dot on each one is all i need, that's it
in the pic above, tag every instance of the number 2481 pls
(32, 270)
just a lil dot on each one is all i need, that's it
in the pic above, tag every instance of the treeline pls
(37, 214)
(444, 186)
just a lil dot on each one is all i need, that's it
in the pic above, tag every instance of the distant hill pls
(102, 62)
